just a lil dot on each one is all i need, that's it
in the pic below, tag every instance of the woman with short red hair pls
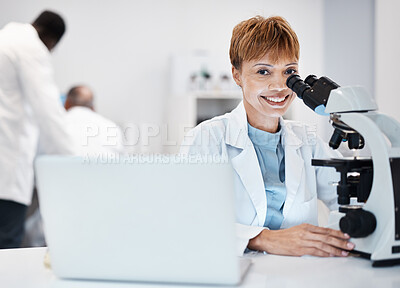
(276, 187)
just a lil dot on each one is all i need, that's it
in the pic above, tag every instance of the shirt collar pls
(263, 138)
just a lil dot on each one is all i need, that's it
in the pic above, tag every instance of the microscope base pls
(386, 263)
(377, 263)
(361, 254)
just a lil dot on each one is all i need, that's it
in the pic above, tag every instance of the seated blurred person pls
(96, 134)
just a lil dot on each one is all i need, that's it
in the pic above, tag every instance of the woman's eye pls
(263, 72)
(291, 71)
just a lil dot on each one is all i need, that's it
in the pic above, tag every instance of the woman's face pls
(265, 94)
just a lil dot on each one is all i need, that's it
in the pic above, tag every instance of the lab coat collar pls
(237, 130)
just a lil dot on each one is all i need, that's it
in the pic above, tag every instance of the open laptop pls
(151, 219)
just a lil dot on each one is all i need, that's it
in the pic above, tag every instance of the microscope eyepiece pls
(311, 79)
(297, 85)
(313, 91)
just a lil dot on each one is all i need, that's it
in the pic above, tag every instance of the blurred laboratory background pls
(159, 67)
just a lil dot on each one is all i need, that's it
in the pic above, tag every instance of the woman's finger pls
(329, 240)
(328, 231)
(313, 251)
(327, 249)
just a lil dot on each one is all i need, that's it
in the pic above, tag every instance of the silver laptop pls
(155, 219)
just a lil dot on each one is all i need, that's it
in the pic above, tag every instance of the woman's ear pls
(236, 76)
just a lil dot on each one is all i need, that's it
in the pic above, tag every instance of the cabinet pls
(201, 88)
(208, 104)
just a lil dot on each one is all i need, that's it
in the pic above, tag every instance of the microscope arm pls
(390, 127)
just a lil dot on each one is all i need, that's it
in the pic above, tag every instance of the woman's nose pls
(278, 84)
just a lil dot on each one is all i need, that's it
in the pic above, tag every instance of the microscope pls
(373, 221)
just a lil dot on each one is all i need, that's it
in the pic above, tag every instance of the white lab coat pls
(30, 109)
(97, 135)
(227, 136)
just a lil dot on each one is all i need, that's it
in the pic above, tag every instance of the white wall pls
(349, 42)
(348, 48)
(387, 48)
(121, 48)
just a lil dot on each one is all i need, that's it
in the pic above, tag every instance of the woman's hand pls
(304, 239)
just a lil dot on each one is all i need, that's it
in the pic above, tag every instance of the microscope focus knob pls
(358, 223)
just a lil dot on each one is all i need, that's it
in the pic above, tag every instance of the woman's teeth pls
(276, 100)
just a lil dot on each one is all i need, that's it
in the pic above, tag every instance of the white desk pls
(23, 268)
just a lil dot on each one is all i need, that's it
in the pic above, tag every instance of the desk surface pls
(24, 268)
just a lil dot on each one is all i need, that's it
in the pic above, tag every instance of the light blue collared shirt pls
(271, 158)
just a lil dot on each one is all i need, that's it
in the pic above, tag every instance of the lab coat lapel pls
(246, 162)
(247, 167)
(294, 165)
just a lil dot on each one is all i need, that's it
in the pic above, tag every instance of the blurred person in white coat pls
(97, 135)
(31, 115)
(276, 187)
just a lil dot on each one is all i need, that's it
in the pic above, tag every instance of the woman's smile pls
(276, 101)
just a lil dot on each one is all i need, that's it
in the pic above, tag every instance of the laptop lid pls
(162, 220)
